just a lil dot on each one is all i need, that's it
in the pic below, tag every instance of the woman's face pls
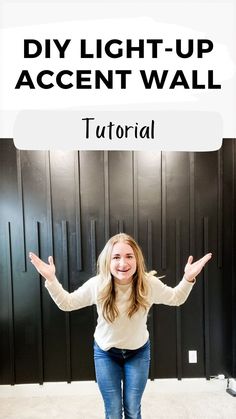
(123, 263)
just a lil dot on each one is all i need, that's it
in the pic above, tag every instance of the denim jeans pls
(122, 376)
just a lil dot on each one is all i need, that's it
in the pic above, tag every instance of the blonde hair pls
(107, 295)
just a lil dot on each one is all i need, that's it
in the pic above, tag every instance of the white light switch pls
(192, 357)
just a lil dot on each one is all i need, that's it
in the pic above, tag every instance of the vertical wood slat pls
(219, 210)
(93, 250)
(120, 226)
(50, 250)
(151, 313)
(40, 314)
(149, 244)
(22, 211)
(163, 210)
(11, 306)
(65, 258)
(206, 301)
(191, 203)
(93, 245)
(106, 196)
(78, 213)
(135, 194)
(178, 309)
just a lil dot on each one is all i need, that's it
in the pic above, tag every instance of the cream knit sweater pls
(124, 332)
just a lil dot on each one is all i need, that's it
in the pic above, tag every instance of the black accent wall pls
(68, 204)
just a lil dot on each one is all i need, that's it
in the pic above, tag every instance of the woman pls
(123, 292)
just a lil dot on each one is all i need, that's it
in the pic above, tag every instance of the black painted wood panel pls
(67, 204)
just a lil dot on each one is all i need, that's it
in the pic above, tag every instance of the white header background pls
(212, 20)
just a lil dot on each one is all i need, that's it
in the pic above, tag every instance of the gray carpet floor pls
(163, 399)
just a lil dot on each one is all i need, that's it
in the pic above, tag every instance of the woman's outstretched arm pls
(163, 294)
(191, 269)
(83, 296)
(47, 270)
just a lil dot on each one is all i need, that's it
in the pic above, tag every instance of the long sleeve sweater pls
(124, 332)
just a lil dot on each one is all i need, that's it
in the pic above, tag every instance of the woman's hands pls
(191, 270)
(47, 270)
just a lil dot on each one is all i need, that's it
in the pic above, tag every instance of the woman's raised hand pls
(193, 269)
(47, 270)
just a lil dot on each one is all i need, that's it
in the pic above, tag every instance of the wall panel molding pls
(163, 210)
(65, 258)
(49, 205)
(192, 246)
(21, 207)
(40, 314)
(178, 248)
(174, 204)
(206, 299)
(11, 322)
(106, 196)
(93, 247)
(78, 213)
(135, 194)
(220, 210)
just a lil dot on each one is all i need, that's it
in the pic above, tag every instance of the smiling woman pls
(123, 263)
(123, 292)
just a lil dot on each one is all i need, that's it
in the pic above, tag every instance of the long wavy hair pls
(107, 296)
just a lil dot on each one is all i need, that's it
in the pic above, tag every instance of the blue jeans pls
(117, 366)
